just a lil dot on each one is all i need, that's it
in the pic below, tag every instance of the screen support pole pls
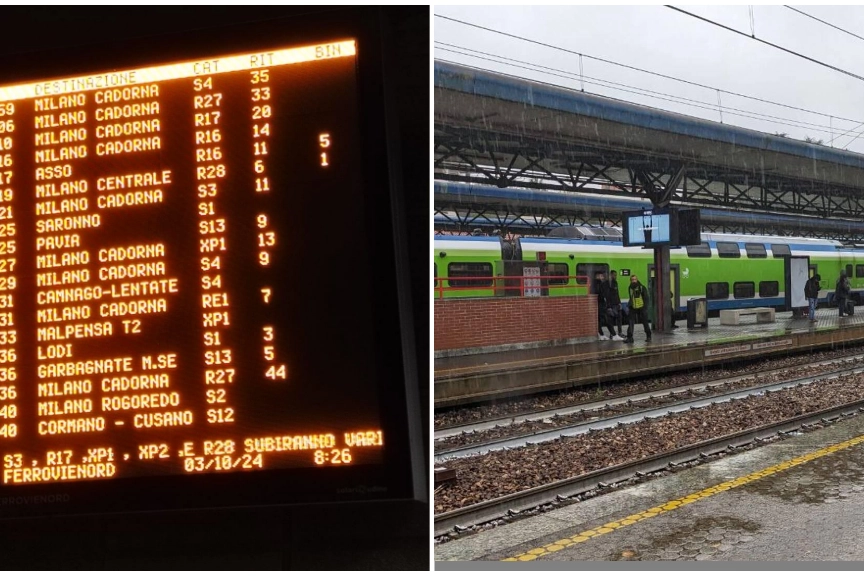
(662, 295)
(660, 198)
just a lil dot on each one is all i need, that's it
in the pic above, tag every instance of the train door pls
(814, 269)
(847, 263)
(674, 283)
(856, 279)
(856, 275)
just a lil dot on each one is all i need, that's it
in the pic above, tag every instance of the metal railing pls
(491, 286)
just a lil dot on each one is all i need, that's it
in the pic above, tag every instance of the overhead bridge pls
(504, 131)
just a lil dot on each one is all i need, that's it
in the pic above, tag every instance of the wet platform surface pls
(480, 377)
(800, 498)
(716, 333)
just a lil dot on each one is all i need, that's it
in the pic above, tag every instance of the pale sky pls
(661, 40)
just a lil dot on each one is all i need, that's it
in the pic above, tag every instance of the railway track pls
(496, 508)
(522, 415)
(635, 416)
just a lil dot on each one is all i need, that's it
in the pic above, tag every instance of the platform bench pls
(733, 317)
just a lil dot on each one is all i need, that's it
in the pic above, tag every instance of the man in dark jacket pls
(811, 291)
(842, 292)
(613, 304)
(638, 308)
(601, 289)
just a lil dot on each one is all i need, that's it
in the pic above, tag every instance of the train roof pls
(536, 244)
(706, 237)
(719, 237)
(801, 244)
(443, 242)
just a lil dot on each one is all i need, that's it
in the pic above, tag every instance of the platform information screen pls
(648, 228)
(165, 306)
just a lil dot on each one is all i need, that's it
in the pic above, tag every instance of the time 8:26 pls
(334, 456)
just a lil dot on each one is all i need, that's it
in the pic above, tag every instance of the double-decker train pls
(730, 270)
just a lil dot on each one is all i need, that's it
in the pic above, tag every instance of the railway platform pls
(799, 498)
(488, 376)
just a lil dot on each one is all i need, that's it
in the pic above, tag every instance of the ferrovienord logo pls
(27, 500)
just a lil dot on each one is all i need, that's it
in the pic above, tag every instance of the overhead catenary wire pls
(798, 54)
(853, 140)
(777, 46)
(850, 131)
(752, 22)
(720, 106)
(824, 22)
(480, 55)
(833, 138)
(636, 68)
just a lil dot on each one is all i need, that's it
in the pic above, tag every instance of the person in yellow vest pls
(638, 308)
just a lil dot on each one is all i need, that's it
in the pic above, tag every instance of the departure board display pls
(184, 284)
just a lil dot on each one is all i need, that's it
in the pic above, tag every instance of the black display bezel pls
(396, 478)
(669, 212)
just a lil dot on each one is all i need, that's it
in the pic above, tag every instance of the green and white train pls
(730, 270)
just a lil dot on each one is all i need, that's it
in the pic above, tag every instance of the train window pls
(769, 288)
(859, 270)
(589, 270)
(780, 250)
(470, 270)
(562, 270)
(849, 270)
(699, 251)
(744, 289)
(756, 250)
(717, 290)
(728, 250)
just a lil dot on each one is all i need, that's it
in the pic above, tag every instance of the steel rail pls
(520, 417)
(613, 421)
(462, 518)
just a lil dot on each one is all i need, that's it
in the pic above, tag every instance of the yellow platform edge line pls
(610, 527)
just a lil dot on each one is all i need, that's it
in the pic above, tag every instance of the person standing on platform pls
(841, 292)
(601, 289)
(613, 306)
(811, 291)
(638, 308)
(672, 308)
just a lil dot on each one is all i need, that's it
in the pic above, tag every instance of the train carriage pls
(730, 270)
(466, 263)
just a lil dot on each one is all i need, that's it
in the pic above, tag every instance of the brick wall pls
(480, 322)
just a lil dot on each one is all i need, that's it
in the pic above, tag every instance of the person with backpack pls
(613, 305)
(811, 291)
(638, 308)
(842, 292)
(601, 289)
